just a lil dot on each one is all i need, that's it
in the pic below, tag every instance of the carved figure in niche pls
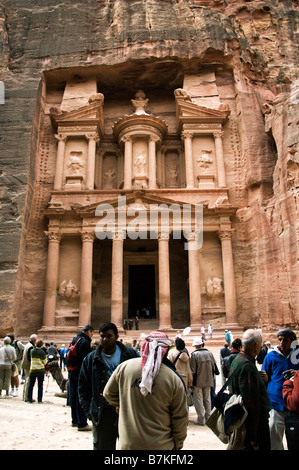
(205, 159)
(140, 164)
(68, 291)
(214, 287)
(75, 163)
(140, 102)
(109, 178)
(173, 178)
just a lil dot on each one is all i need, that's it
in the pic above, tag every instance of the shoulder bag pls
(228, 413)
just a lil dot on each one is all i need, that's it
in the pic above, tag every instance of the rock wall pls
(255, 41)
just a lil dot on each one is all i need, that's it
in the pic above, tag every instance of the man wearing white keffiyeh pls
(153, 350)
(151, 398)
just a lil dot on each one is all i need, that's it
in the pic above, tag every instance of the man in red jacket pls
(290, 393)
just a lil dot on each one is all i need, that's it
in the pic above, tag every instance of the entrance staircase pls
(146, 326)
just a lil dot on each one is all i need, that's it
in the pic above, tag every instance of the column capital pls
(226, 233)
(119, 235)
(153, 138)
(163, 235)
(126, 138)
(191, 236)
(218, 134)
(53, 236)
(92, 136)
(87, 236)
(187, 134)
(61, 137)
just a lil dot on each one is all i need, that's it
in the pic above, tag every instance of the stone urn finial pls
(140, 102)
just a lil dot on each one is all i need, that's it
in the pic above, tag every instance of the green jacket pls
(248, 383)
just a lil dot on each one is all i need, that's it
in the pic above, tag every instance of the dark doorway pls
(142, 293)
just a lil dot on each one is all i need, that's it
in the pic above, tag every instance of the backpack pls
(72, 360)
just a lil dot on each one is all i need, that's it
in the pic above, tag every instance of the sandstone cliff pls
(256, 41)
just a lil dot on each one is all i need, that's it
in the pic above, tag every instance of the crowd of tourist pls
(136, 396)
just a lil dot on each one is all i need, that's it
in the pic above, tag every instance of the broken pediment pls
(188, 112)
(83, 117)
(142, 201)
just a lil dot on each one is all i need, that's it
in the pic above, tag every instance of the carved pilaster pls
(164, 281)
(220, 159)
(61, 138)
(54, 238)
(86, 277)
(225, 235)
(187, 137)
(92, 138)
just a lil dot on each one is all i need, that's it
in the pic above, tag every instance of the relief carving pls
(110, 179)
(140, 102)
(75, 163)
(68, 291)
(205, 160)
(140, 164)
(214, 287)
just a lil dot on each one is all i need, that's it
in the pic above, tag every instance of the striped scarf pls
(153, 350)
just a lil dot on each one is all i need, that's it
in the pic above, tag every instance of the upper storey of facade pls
(150, 139)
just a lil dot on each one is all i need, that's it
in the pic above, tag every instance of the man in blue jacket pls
(280, 364)
(95, 372)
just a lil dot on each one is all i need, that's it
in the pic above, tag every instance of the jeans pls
(106, 433)
(40, 382)
(77, 412)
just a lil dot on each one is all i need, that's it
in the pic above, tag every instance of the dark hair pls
(108, 326)
(180, 344)
(237, 343)
(88, 328)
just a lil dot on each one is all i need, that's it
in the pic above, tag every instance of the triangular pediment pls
(91, 114)
(137, 200)
(188, 112)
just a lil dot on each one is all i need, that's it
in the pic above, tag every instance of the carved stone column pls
(51, 279)
(220, 159)
(187, 136)
(225, 236)
(59, 161)
(194, 282)
(152, 162)
(93, 138)
(117, 279)
(164, 282)
(128, 162)
(86, 278)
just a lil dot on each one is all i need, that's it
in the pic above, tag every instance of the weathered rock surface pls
(252, 44)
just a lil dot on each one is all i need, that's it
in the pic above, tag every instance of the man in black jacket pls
(83, 340)
(95, 372)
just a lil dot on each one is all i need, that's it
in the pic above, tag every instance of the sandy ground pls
(47, 426)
